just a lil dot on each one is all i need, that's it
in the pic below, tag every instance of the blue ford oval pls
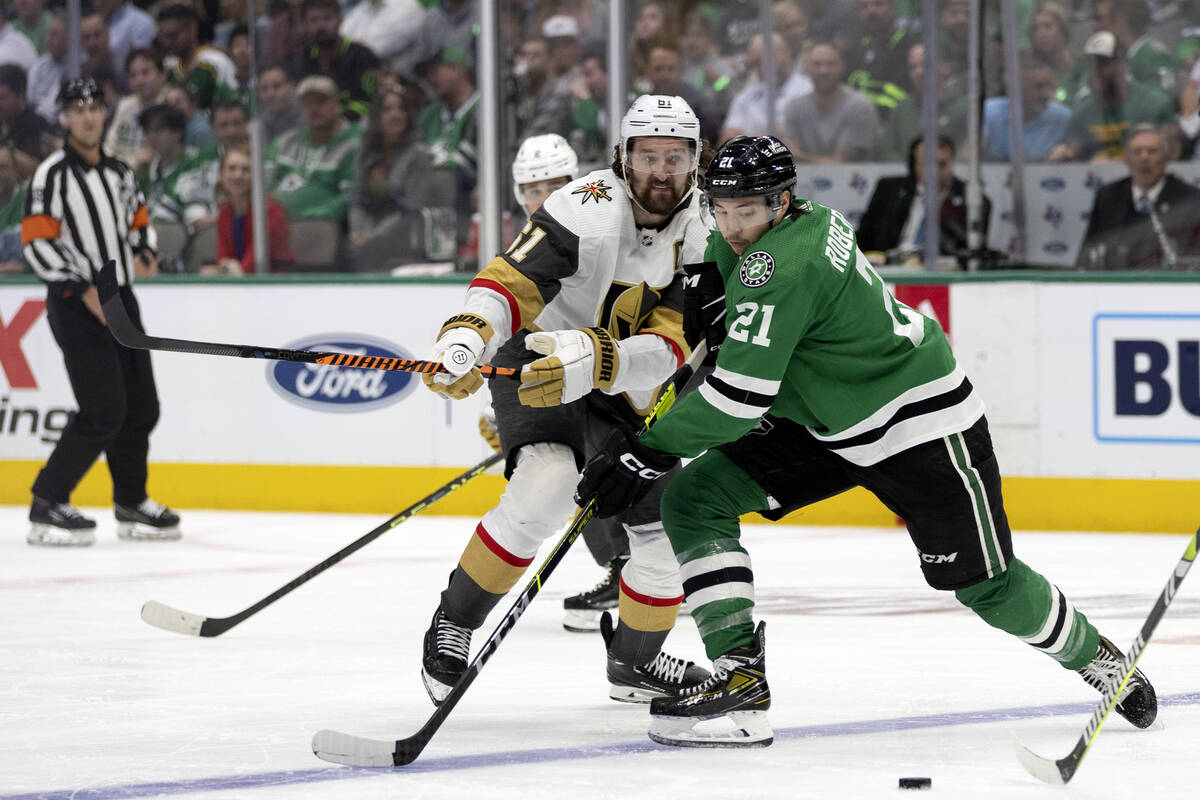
(339, 389)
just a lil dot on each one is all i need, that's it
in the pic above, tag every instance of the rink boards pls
(1092, 388)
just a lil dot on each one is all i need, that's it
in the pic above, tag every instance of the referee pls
(83, 209)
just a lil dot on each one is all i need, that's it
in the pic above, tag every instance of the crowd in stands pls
(369, 107)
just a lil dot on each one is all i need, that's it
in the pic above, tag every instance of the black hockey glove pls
(704, 307)
(621, 474)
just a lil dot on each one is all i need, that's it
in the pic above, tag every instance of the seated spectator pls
(232, 18)
(311, 170)
(1050, 42)
(199, 132)
(748, 111)
(1149, 220)
(1099, 120)
(832, 123)
(12, 210)
(1150, 61)
(351, 65)
(277, 102)
(196, 184)
(449, 23)
(1044, 118)
(203, 69)
(449, 126)
(561, 33)
(96, 45)
(877, 56)
(537, 103)
(906, 121)
(163, 127)
(15, 47)
(33, 20)
(664, 69)
(704, 70)
(791, 22)
(286, 37)
(129, 28)
(235, 225)
(148, 86)
(385, 27)
(46, 74)
(893, 227)
(589, 115)
(21, 128)
(401, 202)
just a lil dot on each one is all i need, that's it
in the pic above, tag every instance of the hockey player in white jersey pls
(587, 302)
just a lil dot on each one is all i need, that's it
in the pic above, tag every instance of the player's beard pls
(658, 202)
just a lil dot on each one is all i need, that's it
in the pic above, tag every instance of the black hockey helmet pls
(77, 90)
(750, 166)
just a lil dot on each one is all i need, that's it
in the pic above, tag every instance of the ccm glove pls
(621, 474)
(577, 361)
(459, 346)
(704, 307)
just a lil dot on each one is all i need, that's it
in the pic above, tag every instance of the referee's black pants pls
(118, 404)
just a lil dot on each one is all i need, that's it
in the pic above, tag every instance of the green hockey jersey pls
(814, 336)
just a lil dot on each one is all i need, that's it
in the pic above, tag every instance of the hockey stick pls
(128, 334)
(344, 748)
(176, 621)
(1062, 770)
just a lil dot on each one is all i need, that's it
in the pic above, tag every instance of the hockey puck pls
(916, 783)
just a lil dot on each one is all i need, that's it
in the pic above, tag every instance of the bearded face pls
(659, 171)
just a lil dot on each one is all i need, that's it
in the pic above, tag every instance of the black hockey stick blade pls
(171, 619)
(1061, 770)
(128, 334)
(359, 751)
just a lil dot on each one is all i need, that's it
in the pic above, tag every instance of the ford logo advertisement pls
(327, 388)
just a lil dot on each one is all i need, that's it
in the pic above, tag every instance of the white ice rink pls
(873, 675)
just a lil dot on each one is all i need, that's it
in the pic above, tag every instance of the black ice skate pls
(148, 522)
(1137, 702)
(583, 610)
(641, 683)
(59, 525)
(737, 691)
(447, 646)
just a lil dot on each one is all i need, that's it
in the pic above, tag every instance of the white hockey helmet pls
(661, 115)
(541, 158)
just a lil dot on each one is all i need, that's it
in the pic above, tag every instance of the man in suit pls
(1150, 220)
(895, 217)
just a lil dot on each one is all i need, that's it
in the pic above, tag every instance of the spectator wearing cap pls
(163, 127)
(561, 33)
(351, 65)
(539, 104)
(198, 133)
(1099, 120)
(33, 20)
(46, 74)
(148, 85)
(15, 47)
(1148, 220)
(21, 128)
(203, 69)
(310, 170)
(1150, 61)
(387, 27)
(129, 27)
(450, 128)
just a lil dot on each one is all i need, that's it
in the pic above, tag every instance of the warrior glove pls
(621, 474)
(459, 347)
(704, 307)
(576, 362)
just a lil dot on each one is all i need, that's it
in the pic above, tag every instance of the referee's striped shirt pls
(78, 216)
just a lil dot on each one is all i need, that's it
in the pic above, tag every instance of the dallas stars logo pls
(596, 190)
(756, 269)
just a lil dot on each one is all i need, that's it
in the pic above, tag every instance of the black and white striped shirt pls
(78, 216)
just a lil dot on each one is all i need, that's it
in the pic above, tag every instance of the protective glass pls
(737, 213)
(536, 193)
(674, 161)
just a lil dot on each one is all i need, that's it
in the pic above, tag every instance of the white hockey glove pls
(576, 362)
(460, 345)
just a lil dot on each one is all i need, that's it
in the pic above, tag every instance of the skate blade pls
(133, 532)
(578, 621)
(735, 729)
(632, 694)
(436, 690)
(49, 536)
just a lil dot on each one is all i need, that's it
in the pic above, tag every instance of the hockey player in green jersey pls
(824, 381)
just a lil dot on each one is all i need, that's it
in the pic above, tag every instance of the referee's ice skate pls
(147, 521)
(737, 692)
(640, 683)
(59, 525)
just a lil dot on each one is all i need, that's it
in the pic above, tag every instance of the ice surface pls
(874, 676)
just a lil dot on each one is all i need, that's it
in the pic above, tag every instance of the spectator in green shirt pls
(12, 209)
(1150, 62)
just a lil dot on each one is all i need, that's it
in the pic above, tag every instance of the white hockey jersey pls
(581, 261)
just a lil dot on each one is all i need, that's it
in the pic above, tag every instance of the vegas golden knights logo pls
(626, 308)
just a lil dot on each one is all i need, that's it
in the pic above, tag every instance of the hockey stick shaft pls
(346, 749)
(171, 619)
(128, 334)
(1062, 770)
